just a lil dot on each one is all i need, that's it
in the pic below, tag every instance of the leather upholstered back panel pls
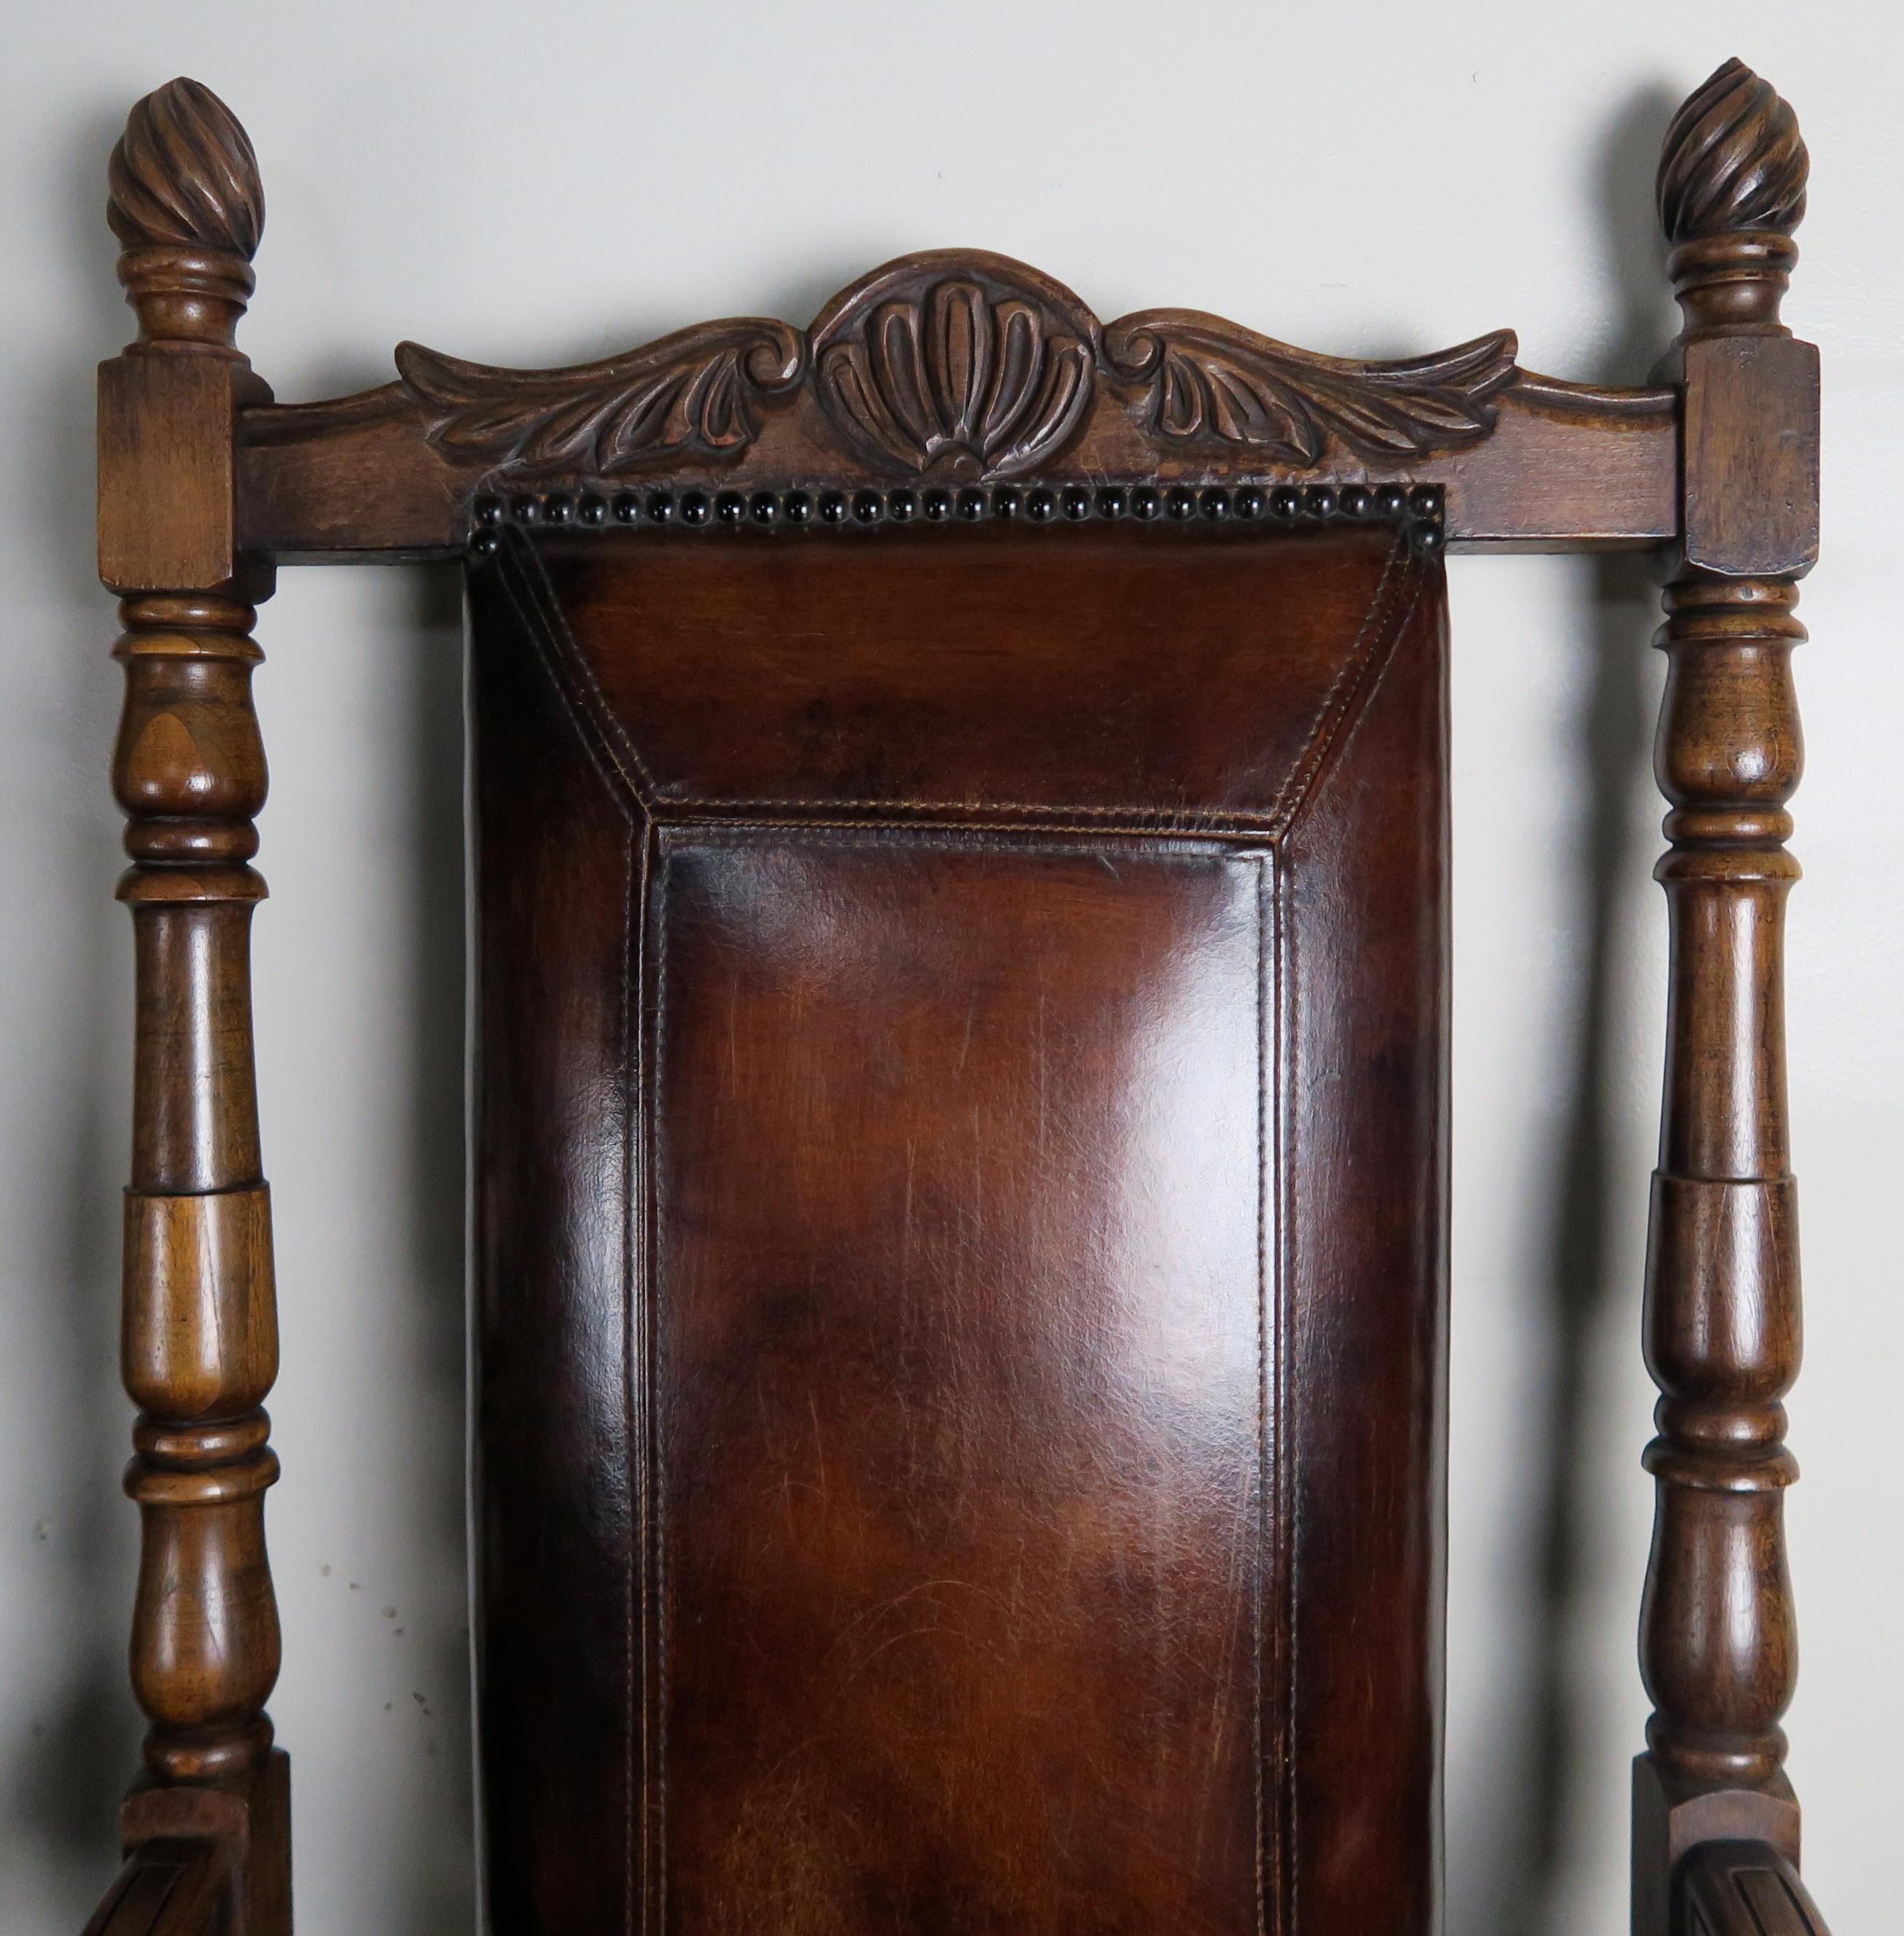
(960, 1227)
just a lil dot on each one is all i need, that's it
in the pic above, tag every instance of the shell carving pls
(695, 392)
(969, 374)
(184, 175)
(1209, 379)
(1733, 160)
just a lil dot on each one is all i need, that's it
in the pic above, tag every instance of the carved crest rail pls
(957, 369)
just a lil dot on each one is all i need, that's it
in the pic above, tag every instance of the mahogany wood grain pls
(1742, 1888)
(199, 1337)
(961, 367)
(1565, 468)
(169, 1886)
(1718, 1642)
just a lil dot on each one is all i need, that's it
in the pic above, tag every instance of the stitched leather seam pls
(1357, 706)
(658, 1441)
(526, 585)
(630, 1170)
(1374, 645)
(668, 800)
(629, 803)
(958, 839)
(1248, 837)
(607, 723)
(656, 797)
(1262, 1375)
(1290, 1841)
(1365, 705)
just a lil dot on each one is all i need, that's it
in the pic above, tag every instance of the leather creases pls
(960, 1230)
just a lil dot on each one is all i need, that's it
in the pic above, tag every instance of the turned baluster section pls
(199, 1332)
(1718, 1647)
(1718, 1644)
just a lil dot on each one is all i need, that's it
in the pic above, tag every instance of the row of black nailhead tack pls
(1285, 504)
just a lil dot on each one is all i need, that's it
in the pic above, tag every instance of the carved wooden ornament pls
(959, 366)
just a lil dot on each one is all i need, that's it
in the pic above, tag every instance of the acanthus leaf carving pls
(1210, 380)
(693, 391)
(961, 366)
(956, 362)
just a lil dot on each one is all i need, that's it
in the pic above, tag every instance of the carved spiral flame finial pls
(184, 173)
(1734, 159)
(188, 207)
(1731, 191)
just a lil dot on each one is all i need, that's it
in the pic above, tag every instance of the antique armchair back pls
(960, 1127)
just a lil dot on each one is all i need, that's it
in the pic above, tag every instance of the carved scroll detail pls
(1733, 159)
(1211, 379)
(693, 391)
(957, 367)
(967, 364)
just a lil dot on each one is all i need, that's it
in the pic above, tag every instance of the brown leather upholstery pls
(961, 1139)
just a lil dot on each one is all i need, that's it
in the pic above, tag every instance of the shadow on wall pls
(440, 1871)
(1509, 1832)
(59, 1789)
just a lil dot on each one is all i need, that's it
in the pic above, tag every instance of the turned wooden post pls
(1718, 1642)
(199, 1340)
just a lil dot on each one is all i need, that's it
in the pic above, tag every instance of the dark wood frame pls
(947, 387)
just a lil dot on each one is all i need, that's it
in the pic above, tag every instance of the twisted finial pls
(188, 208)
(1734, 159)
(1731, 191)
(184, 172)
